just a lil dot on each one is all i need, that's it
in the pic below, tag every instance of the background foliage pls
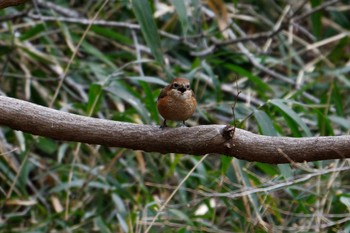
(109, 59)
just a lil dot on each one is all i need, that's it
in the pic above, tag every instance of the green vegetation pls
(290, 64)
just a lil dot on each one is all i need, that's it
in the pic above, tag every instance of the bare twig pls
(255, 37)
(59, 9)
(84, 21)
(233, 109)
(13, 16)
(275, 186)
(314, 10)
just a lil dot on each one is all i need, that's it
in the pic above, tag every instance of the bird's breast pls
(177, 106)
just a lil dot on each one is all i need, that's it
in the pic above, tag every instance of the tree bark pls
(197, 140)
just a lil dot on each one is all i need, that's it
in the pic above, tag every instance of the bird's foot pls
(183, 124)
(164, 125)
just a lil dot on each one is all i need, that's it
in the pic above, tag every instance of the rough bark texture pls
(198, 140)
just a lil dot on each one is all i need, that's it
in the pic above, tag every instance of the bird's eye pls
(175, 85)
(187, 86)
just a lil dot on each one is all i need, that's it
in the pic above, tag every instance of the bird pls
(177, 101)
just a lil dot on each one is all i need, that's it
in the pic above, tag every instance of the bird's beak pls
(182, 89)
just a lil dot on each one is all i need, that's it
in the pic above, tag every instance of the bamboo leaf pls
(149, 30)
(182, 15)
(265, 123)
(291, 114)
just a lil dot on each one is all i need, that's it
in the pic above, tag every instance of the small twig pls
(233, 107)
(298, 9)
(275, 186)
(59, 9)
(293, 163)
(13, 16)
(314, 10)
(254, 37)
(84, 21)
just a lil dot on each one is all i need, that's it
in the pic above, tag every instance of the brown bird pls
(176, 102)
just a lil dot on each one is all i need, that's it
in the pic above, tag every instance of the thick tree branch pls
(198, 140)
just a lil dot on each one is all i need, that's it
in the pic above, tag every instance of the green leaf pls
(111, 34)
(261, 86)
(291, 114)
(95, 53)
(340, 121)
(149, 79)
(150, 101)
(123, 222)
(285, 170)
(79, 183)
(200, 170)
(118, 90)
(121, 211)
(225, 163)
(5, 50)
(214, 78)
(316, 19)
(267, 168)
(246, 182)
(173, 165)
(337, 100)
(324, 124)
(149, 29)
(94, 101)
(32, 31)
(345, 200)
(62, 150)
(47, 145)
(182, 15)
(101, 225)
(266, 127)
(265, 123)
(181, 215)
(21, 140)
